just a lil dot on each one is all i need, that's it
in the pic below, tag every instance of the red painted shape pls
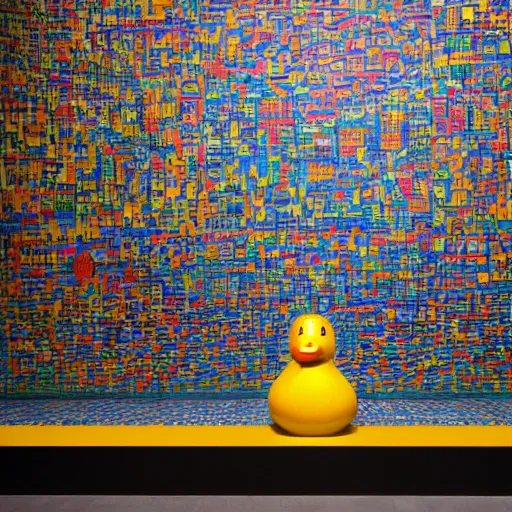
(83, 266)
(129, 275)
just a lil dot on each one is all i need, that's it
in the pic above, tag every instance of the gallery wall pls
(180, 179)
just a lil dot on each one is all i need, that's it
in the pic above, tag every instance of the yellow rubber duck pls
(311, 397)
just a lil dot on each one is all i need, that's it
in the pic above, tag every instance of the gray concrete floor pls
(254, 504)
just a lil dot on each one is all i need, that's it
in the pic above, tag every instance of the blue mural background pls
(180, 179)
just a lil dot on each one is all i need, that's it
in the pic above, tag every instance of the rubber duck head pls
(312, 339)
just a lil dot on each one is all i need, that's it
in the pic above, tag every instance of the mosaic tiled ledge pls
(165, 411)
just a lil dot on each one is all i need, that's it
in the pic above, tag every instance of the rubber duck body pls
(311, 397)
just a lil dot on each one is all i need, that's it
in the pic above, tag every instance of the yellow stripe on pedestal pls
(247, 436)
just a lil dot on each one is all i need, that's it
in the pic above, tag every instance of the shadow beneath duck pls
(349, 430)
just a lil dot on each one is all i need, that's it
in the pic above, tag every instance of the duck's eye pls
(301, 331)
(322, 332)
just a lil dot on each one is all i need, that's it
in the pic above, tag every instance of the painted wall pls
(181, 178)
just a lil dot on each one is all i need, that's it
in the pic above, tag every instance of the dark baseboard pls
(256, 471)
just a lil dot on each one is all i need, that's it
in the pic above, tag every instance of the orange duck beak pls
(307, 352)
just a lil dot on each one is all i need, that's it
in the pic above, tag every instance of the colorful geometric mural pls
(180, 178)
